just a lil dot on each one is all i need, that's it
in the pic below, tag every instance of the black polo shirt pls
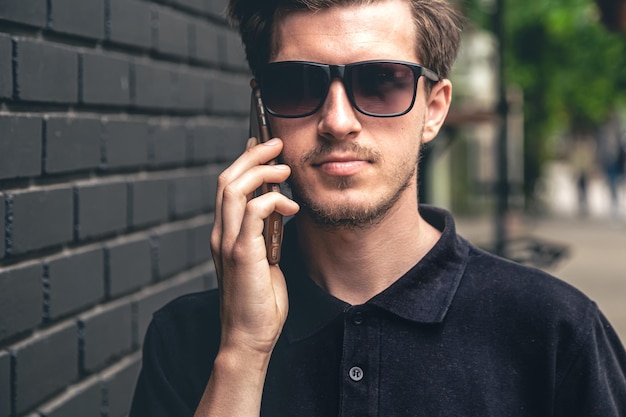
(462, 334)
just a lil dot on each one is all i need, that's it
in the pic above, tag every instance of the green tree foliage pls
(571, 68)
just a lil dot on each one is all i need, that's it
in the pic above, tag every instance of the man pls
(377, 307)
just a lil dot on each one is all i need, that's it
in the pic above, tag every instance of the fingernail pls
(251, 142)
(281, 167)
(271, 142)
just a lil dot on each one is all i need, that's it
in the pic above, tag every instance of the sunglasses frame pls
(339, 71)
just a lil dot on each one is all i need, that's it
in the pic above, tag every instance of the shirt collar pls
(422, 295)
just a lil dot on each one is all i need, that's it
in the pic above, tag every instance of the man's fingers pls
(248, 247)
(235, 199)
(254, 156)
(258, 209)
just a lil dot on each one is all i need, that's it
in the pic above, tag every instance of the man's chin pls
(350, 207)
(335, 215)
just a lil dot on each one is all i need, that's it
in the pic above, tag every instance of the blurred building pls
(461, 165)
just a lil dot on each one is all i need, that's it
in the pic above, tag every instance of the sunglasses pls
(378, 88)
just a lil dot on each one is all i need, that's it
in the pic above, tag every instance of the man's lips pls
(342, 166)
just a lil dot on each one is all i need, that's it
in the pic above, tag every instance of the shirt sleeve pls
(595, 384)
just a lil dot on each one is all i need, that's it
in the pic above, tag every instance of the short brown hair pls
(438, 27)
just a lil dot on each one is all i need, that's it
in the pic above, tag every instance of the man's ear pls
(437, 107)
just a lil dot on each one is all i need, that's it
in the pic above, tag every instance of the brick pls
(84, 18)
(39, 375)
(6, 66)
(153, 85)
(129, 266)
(106, 334)
(129, 22)
(233, 53)
(149, 202)
(231, 142)
(189, 91)
(199, 5)
(75, 281)
(203, 142)
(105, 80)
(193, 194)
(229, 94)
(20, 146)
(217, 143)
(205, 42)
(169, 144)
(125, 143)
(71, 144)
(102, 209)
(84, 399)
(172, 252)
(41, 219)
(5, 384)
(172, 33)
(210, 280)
(218, 6)
(2, 226)
(155, 297)
(21, 298)
(119, 382)
(209, 185)
(46, 72)
(200, 243)
(30, 12)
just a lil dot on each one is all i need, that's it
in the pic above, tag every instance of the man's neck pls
(355, 264)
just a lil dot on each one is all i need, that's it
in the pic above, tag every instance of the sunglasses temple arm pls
(430, 74)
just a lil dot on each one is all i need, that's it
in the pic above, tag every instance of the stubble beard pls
(335, 216)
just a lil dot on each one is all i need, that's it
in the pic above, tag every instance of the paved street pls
(596, 260)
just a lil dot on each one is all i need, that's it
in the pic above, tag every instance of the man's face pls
(349, 168)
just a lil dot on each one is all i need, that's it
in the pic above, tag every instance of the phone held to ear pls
(260, 128)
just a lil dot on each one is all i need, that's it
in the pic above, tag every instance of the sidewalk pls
(596, 259)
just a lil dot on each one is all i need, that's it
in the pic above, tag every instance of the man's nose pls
(337, 117)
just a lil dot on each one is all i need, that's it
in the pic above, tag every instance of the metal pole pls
(502, 180)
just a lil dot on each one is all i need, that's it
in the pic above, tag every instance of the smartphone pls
(260, 129)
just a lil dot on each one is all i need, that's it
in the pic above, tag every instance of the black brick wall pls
(116, 116)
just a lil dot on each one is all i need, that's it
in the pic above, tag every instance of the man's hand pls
(253, 293)
(254, 299)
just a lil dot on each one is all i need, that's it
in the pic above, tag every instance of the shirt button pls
(355, 373)
(357, 318)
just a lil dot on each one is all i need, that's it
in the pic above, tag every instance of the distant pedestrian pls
(583, 164)
(612, 156)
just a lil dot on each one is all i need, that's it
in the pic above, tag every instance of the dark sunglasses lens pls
(383, 88)
(293, 89)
